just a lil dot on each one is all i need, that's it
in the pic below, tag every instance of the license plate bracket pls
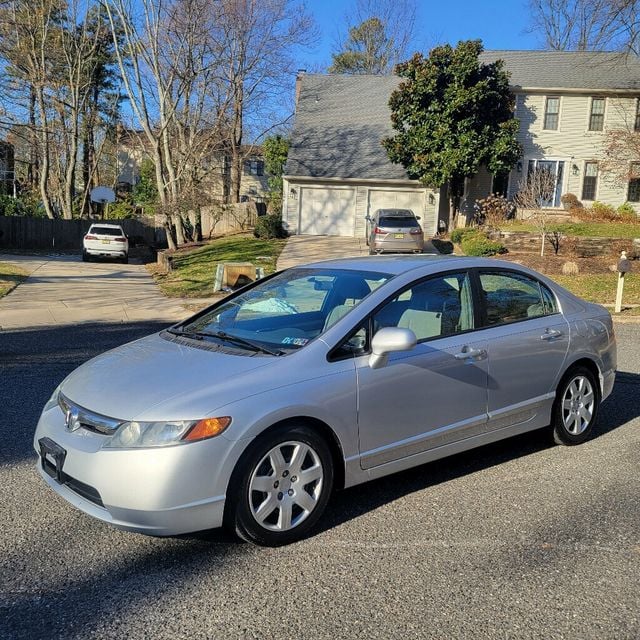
(398, 236)
(52, 457)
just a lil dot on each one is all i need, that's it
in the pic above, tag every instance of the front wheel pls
(576, 407)
(281, 487)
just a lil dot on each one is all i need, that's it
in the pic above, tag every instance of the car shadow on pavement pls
(34, 361)
(620, 408)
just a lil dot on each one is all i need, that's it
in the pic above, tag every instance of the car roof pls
(397, 264)
(104, 224)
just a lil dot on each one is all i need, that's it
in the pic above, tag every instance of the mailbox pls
(624, 265)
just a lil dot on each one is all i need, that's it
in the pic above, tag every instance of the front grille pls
(83, 490)
(87, 419)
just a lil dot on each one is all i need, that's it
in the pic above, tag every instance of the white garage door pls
(413, 200)
(327, 212)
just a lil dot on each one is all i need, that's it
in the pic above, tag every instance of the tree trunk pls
(43, 181)
(32, 169)
(236, 141)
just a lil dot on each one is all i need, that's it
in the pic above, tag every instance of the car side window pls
(437, 307)
(510, 297)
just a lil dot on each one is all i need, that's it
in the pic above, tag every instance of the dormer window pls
(552, 113)
(596, 118)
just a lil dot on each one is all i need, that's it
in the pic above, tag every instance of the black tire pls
(243, 500)
(125, 260)
(86, 257)
(568, 425)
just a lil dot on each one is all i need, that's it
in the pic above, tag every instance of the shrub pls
(570, 269)
(477, 244)
(458, 234)
(270, 226)
(120, 210)
(24, 205)
(627, 212)
(570, 201)
(603, 211)
(492, 211)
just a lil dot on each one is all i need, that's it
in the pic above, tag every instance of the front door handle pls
(551, 334)
(468, 353)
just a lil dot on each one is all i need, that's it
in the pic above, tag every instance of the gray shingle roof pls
(340, 120)
(569, 69)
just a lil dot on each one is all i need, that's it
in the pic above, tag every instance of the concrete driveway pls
(303, 249)
(64, 290)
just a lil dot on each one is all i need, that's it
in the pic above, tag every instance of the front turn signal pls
(207, 428)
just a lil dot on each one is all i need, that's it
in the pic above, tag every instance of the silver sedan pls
(252, 412)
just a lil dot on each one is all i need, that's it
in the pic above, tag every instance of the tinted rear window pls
(398, 221)
(106, 231)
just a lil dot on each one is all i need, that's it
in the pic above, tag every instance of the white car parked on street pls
(105, 240)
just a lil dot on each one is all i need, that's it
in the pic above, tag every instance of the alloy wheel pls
(578, 405)
(285, 486)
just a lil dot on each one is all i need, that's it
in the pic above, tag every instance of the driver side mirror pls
(389, 340)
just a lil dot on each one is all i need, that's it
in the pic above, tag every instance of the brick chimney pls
(299, 75)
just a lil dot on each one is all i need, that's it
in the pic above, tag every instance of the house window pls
(634, 183)
(637, 123)
(590, 182)
(254, 167)
(500, 186)
(552, 113)
(596, 119)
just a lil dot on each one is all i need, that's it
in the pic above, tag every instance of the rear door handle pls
(471, 354)
(551, 334)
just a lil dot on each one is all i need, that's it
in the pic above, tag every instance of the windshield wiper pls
(223, 335)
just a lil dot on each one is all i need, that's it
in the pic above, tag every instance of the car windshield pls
(288, 310)
(398, 221)
(106, 231)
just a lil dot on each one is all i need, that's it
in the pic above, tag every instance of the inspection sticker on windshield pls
(298, 342)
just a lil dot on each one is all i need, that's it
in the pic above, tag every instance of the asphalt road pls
(516, 540)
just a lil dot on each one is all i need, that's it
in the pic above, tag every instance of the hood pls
(158, 379)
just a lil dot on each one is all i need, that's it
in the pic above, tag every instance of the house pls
(338, 172)
(216, 169)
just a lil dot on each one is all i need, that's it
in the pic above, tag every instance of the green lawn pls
(10, 277)
(602, 287)
(194, 271)
(583, 229)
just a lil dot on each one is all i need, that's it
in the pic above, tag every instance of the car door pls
(527, 340)
(433, 394)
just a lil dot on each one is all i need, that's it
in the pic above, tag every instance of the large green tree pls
(368, 49)
(452, 115)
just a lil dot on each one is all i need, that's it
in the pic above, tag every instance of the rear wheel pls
(125, 259)
(576, 407)
(86, 257)
(281, 487)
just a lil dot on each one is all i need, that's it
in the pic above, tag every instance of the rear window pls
(106, 231)
(398, 221)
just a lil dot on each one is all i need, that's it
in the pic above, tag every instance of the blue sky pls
(501, 24)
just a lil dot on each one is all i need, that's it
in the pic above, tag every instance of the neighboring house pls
(338, 171)
(217, 180)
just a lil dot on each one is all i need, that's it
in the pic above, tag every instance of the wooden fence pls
(25, 233)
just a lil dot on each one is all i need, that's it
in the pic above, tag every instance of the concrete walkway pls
(64, 290)
(302, 249)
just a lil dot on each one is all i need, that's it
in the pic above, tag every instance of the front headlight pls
(161, 434)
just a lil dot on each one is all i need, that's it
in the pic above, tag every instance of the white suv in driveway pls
(105, 240)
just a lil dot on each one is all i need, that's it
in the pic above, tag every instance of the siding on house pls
(572, 142)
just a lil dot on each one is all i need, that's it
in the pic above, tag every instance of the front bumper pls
(163, 491)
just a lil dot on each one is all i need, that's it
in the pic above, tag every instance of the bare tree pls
(584, 25)
(257, 38)
(377, 38)
(170, 66)
(535, 193)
